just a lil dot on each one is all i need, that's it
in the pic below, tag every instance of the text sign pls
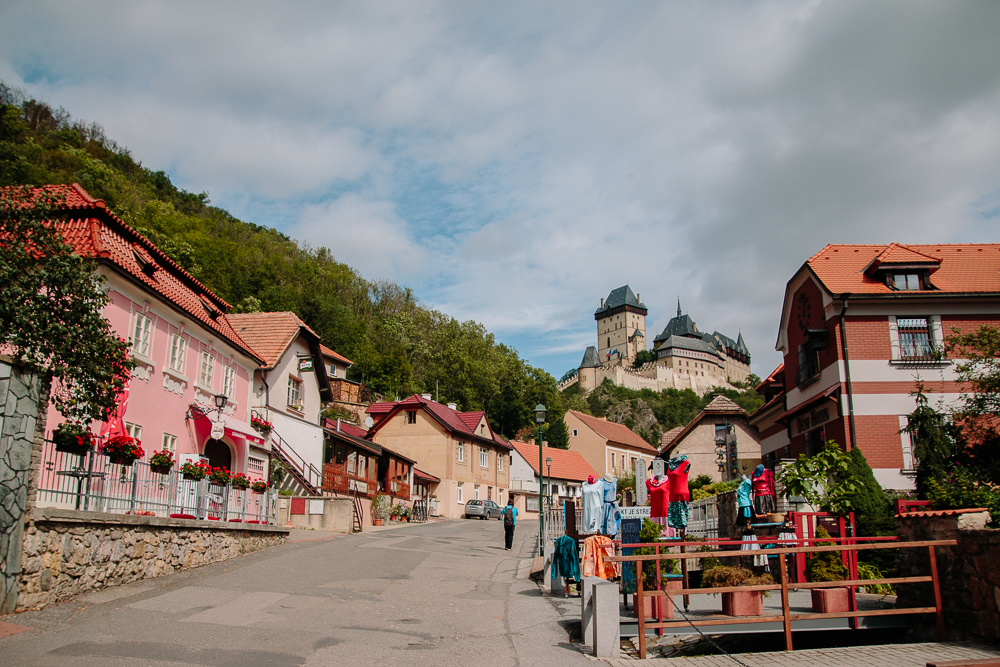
(641, 492)
(635, 512)
(659, 466)
(305, 365)
(630, 530)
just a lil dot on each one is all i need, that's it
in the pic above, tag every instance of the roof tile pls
(566, 464)
(615, 432)
(269, 334)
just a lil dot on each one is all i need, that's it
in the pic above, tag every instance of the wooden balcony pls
(399, 490)
(336, 480)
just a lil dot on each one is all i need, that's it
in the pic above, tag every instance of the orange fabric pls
(596, 551)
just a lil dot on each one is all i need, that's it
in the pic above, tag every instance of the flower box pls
(830, 600)
(123, 450)
(161, 462)
(160, 470)
(743, 603)
(650, 603)
(73, 439)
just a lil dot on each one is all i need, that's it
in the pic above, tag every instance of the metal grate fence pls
(90, 482)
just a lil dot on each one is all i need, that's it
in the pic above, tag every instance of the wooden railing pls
(398, 489)
(784, 586)
(339, 482)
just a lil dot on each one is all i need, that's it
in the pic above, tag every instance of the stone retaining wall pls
(67, 552)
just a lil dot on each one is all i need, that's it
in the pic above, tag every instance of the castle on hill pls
(685, 358)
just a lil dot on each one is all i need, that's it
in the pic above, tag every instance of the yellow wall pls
(699, 446)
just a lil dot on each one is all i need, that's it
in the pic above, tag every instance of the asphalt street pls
(443, 593)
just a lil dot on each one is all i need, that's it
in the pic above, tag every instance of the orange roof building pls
(563, 478)
(610, 448)
(860, 325)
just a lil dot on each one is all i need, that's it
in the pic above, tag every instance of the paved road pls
(438, 594)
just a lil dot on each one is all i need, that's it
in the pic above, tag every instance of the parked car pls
(482, 509)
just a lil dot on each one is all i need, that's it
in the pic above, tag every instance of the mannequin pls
(764, 500)
(593, 505)
(744, 500)
(611, 519)
(678, 469)
(659, 497)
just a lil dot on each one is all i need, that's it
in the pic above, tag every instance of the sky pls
(514, 162)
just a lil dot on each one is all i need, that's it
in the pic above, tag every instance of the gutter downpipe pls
(847, 371)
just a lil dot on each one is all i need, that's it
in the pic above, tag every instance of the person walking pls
(509, 521)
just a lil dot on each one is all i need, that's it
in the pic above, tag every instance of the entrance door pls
(219, 455)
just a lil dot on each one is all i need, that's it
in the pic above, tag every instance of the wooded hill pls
(399, 346)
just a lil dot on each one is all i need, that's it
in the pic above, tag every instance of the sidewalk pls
(898, 655)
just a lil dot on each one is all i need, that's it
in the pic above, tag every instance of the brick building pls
(860, 326)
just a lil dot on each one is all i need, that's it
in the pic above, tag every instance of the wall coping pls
(52, 514)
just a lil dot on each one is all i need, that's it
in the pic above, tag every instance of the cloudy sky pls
(515, 162)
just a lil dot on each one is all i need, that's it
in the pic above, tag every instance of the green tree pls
(51, 304)
(557, 434)
(933, 437)
(823, 479)
(873, 511)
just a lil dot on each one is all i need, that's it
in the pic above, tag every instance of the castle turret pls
(620, 317)
(588, 370)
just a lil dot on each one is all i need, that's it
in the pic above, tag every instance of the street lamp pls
(220, 401)
(540, 411)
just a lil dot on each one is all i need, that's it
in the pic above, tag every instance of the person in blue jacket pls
(509, 521)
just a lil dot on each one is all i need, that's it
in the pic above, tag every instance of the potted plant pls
(239, 481)
(828, 566)
(261, 425)
(394, 513)
(73, 438)
(195, 470)
(738, 603)
(650, 532)
(220, 476)
(122, 449)
(260, 486)
(404, 513)
(380, 504)
(161, 462)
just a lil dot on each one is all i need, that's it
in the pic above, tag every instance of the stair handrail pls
(307, 470)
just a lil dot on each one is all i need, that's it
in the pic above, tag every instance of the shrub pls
(649, 533)
(873, 512)
(725, 576)
(959, 488)
(825, 565)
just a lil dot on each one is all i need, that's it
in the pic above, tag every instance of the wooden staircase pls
(303, 479)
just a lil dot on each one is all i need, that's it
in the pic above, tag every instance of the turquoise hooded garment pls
(744, 494)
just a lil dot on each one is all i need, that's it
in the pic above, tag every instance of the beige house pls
(608, 447)
(459, 448)
(724, 420)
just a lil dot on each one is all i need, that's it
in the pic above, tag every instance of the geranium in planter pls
(738, 603)
(261, 425)
(220, 476)
(195, 470)
(260, 486)
(239, 481)
(162, 461)
(73, 438)
(122, 450)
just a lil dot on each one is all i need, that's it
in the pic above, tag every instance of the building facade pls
(608, 447)
(686, 350)
(621, 326)
(563, 479)
(861, 326)
(721, 424)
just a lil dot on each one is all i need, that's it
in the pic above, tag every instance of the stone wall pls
(969, 573)
(19, 418)
(67, 552)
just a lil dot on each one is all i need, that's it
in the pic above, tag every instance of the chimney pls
(638, 298)
(338, 424)
(426, 397)
(602, 302)
(453, 406)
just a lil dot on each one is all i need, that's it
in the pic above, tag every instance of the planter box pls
(829, 600)
(750, 603)
(650, 603)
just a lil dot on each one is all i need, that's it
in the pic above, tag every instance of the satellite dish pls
(369, 422)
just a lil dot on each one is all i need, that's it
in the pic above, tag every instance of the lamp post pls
(540, 411)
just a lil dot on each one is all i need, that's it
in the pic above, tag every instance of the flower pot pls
(191, 477)
(377, 522)
(651, 603)
(829, 600)
(160, 470)
(80, 450)
(117, 459)
(743, 603)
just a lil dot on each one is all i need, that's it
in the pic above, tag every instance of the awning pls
(425, 477)
(818, 398)
(234, 427)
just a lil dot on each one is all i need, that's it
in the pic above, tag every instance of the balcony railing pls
(90, 482)
(337, 481)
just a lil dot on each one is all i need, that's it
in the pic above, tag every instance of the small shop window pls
(352, 463)
(362, 466)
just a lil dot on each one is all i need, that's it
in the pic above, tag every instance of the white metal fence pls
(703, 518)
(555, 523)
(90, 482)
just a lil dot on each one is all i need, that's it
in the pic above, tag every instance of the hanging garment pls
(659, 496)
(665, 529)
(592, 513)
(566, 559)
(677, 514)
(612, 518)
(677, 473)
(744, 494)
(750, 543)
(763, 482)
(597, 549)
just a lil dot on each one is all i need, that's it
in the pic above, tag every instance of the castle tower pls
(621, 327)
(588, 371)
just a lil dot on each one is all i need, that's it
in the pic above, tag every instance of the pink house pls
(187, 352)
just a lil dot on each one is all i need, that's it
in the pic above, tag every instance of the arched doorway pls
(219, 455)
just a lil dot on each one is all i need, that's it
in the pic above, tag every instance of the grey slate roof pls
(685, 343)
(621, 296)
(741, 346)
(590, 359)
(681, 325)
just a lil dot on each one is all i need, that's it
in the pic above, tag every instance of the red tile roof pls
(775, 374)
(565, 464)
(614, 432)
(450, 419)
(966, 268)
(420, 474)
(670, 436)
(351, 429)
(99, 234)
(380, 408)
(269, 334)
(327, 352)
(471, 419)
(919, 513)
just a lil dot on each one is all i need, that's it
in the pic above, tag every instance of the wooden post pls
(786, 617)
(657, 606)
(640, 610)
(684, 569)
(937, 594)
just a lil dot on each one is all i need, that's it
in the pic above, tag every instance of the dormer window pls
(905, 281)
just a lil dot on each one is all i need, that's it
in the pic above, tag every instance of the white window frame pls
(206, 369)
(933, 325)
(176, 353)
(459, 493)
(333, 370)
(229, 380)
(133, 430)
(475, 491)
(169, 442)
(293, 398)
(142, 334)
(484, 458)
(500, 458)
(461, 452)
(575, 433)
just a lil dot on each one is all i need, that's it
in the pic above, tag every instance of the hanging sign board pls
(630, 531)
(218, 430)
(305, 365)
(641, 492)
(659, 467)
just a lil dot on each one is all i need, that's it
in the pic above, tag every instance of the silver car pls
(482, 509)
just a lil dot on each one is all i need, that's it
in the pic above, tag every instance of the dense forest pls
(398, 346)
